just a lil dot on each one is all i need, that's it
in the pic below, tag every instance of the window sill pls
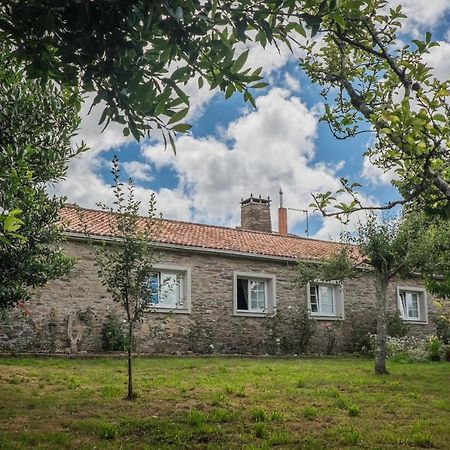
(416, 321)
(155, 309)
(251, 314)
(321, 317)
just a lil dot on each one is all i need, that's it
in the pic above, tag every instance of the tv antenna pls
(304, 211)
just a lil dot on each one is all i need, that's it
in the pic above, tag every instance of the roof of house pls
(102, 224)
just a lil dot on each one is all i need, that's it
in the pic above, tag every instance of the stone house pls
(230, 289)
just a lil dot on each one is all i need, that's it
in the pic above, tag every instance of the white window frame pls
(338, 300)
(270, 293)
(422, 304)
(184, 273)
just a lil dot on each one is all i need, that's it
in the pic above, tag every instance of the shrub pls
(360, 333)
(290, 331)
(408, 348)
(396, 326)
(330, 329)
(201, 337)
(443, 329)
(304, 329)
(435, 346)
(112, 336)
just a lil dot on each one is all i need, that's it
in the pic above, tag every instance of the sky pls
(234, 150)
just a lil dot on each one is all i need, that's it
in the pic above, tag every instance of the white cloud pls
(291, 83)
(83, 185)
(138, 171)
(269, 58)
(439, 60)
(86, 187)
(375, 175)
(333, 228)
(262, 151)
(91, 132)
(420, 13)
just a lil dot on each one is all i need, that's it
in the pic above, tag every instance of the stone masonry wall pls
(68, 314)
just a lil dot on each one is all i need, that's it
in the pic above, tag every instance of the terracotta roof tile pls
(101, 223)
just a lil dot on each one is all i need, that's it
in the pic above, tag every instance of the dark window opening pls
(242, 294)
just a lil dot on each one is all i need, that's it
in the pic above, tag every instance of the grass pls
(223, 403)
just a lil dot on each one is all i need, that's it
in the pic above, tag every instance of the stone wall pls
(68, 314)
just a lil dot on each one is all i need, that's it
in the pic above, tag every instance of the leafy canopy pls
(404, 246)
(372, 83)
(37, 122)
(137, 56)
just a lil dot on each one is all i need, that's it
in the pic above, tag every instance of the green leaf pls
(259, 85)
(103, 116)
(229, 91)
(249, 97)
(181, 127)
(240, 61)
(180, 73)
(160, 107)
(179, 115)
(172, 144)
(440, 118)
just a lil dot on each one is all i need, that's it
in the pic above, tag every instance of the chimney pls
(255, 214)
(282, 216)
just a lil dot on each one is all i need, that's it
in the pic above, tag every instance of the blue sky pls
(234, 150)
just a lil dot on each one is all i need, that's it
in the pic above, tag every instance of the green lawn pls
(223, 403)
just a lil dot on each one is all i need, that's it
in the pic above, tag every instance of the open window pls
(254, 294)
(412, 304)
(326, 300)
(170, 289)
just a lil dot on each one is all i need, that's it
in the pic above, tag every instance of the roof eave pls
(188, 248)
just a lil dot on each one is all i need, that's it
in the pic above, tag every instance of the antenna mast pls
(305, 211)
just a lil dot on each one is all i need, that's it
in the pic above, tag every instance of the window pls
(254, 294)
(412, 304)
(326, 300)
(167, 291)
(170, 289)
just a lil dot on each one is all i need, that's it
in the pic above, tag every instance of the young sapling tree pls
(126, 266)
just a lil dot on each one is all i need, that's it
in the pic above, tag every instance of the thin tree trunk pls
(130, 395)
(382, 283)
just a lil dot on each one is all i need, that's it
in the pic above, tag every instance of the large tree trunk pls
(382, 283)
(130, 395)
